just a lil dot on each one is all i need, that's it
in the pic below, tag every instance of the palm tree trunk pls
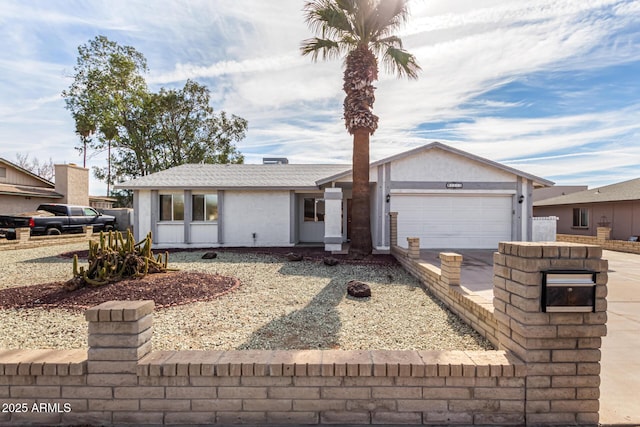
(360, 204)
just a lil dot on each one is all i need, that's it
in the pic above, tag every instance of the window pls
(581, 217)
(90, 212)
(3, 172)
(205, 207)
(172, 207)
(313, 210)
(54, 209)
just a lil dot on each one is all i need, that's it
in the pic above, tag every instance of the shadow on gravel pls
(315, 326)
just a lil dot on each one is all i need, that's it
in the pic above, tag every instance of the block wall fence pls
(602, 239)
(545, 371)
(24, 239)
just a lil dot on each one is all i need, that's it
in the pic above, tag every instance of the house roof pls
(622, 191)
(28, 191)
(247, 176)
(26, 172)
(284, 176)
(536, 180)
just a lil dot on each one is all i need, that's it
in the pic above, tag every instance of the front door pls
(311, 218)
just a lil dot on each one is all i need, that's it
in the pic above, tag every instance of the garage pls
(473, 221)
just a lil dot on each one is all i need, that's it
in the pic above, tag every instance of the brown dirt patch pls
(166, 289)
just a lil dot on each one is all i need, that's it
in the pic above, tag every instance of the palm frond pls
(328, 49)
(388, 16)
(324, 17)
(394, 41)
(344, 25)
(401, 62)
(349, 6)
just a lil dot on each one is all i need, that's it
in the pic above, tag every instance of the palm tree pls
(360, 29)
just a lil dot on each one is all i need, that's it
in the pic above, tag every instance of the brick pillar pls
(603, 233)
(450, 267)
(23, 234)
(393, 228)
(413, 247)
(561, 349)
(119, 335)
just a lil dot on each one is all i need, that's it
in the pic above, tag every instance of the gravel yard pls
(279, 305)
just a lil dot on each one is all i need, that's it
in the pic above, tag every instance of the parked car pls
(55, 219)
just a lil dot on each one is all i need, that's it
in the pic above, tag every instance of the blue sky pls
(550, 87)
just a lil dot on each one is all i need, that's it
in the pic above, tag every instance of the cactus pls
(114, 258)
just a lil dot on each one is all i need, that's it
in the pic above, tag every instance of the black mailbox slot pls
(568, 291)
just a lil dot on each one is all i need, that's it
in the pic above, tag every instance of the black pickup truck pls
(55, 219)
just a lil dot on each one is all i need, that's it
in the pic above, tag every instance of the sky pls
(550, 87)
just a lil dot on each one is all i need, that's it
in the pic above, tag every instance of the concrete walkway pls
(620, 363)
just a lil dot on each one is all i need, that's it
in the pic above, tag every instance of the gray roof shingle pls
(622, 191)
(247, 176)
(283, 176)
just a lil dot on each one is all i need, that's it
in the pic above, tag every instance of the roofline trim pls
(43, 196)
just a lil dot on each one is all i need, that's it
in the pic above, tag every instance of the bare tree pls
(44, 170)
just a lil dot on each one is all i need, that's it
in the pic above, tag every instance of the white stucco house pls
(447, 197)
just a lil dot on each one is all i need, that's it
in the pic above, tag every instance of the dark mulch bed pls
(166, 289)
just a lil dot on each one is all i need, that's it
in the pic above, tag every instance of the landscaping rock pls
(210, 255)
(358, 289)
(294, 257)
(330, 261)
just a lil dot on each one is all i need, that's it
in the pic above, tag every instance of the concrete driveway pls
(620, 375)
(620, 363)
(476, 273)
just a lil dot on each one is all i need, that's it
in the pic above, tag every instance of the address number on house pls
(454, 185)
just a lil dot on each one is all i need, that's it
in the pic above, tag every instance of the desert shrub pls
(114, 258)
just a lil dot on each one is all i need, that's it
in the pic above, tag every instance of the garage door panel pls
(453, 221)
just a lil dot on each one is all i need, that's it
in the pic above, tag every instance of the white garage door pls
(461, 221)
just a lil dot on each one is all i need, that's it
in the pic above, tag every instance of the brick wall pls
(119, 380)
(546, 371)
(24, 240)
(612, 245)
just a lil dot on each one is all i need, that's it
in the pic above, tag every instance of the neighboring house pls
(23, 191)
(447, 197)
(616, 206)
(555, 191)
(102, 202)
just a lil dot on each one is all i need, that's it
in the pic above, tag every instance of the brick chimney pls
(72, 182)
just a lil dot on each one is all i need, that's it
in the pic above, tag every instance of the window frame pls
(580, 218)
(204, 208)
(318, 213)
(175, 197)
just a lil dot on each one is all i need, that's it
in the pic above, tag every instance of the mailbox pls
(568, 291)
